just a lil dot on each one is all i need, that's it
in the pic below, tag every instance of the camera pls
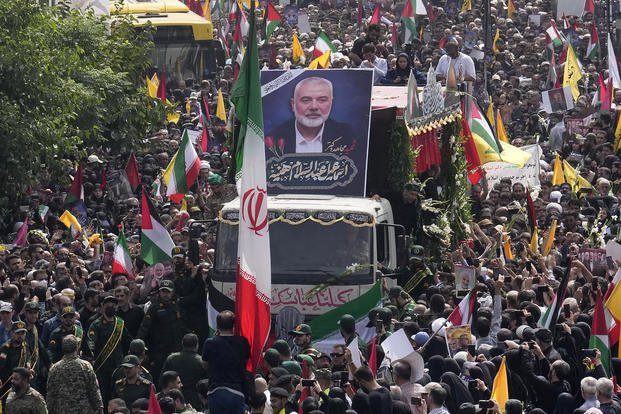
(308, 382)
(417, 401)
(588, 353)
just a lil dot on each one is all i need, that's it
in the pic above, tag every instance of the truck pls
(184, 43)
(346, 243)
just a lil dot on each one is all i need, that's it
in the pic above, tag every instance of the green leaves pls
(69, 82)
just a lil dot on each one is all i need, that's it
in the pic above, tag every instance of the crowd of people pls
(76, 338)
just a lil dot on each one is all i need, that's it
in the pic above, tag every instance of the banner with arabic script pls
(317, 126)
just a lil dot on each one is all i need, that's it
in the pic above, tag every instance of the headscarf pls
(436, 367)
(402, 72)
(565, 404)
(459, 390)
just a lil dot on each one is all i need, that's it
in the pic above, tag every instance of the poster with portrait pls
(557, 100)
(290, 13)
(316, 125)
(458, 338)
(465, 277)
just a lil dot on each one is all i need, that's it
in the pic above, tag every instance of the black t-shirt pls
(226, 357)
(380, 401)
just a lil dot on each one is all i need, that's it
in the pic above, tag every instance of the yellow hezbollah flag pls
(618, 140)
(151, 88)
(614, 301)
(207, 11)
(71, 222)
(466, 6)
(296, 50)
(547, 246)
(500, 128)
(534, 241)
(510, 9)
(494, 47)
(558, 178)
(173, 117)
(506, 244)
(220, 111)
(572, 73)
(490, 114)
(500, 390)
(574, 179)
(322, 62)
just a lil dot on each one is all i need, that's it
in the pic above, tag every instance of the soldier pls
(133, 386)
(23, 398)
(13, 354)
(137, 348)
(162, 327)
(106, 339)
(189, 365)
(302, 338)
(72, 384)
(191, 295)
(68, 327)
(402, 300)
(39, 360)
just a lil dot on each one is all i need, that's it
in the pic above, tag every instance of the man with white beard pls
(311, 130)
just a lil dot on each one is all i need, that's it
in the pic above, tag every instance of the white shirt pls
(379, 66)
(463, 65)
(303, 145)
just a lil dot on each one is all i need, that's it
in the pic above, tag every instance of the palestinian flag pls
(473, 162)
(216, 303)
(462, 314)
(600, 95)
(155, 243)
(550, 316)
(272, 18)
(599, 333)
(375, 17)
(408, 20)
(592, 51)
(322, 45)
(325, 327)
(555, 38)
(488, 147)
(74, 201)
(122, 259)
(182, 170)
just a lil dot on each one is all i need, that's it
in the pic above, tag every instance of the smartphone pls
(417, 401)
(344, 377)
(308, 382)
(531, 344)
(542, 288)
(507, 279)
(566, 311)
(472, 385)
(536, 280)
(472, 350)
(486, 404)
(588, 353)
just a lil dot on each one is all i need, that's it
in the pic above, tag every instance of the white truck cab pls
(346, 242)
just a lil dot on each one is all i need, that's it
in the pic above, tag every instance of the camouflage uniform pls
(72, 387)
(27, 402)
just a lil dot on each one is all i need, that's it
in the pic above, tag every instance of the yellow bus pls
(184, 43)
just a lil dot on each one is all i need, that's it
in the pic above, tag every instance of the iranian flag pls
(254, 277)
(462, 314)
(122, 259)
(322, 45)
(593, 47)
(408, 20)
(599, 333)
(155, 243)
(325, 327)
(182, 169)
(272, 18)
(555, 39)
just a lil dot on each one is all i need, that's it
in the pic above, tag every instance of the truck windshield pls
(307, 253)
(177, 53)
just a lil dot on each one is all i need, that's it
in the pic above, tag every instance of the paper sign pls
(535, 19)
(303, 23)
(528, 175)
(397, 346)
(569, 8)
(355, 353)
(613, 249)
(194, 135)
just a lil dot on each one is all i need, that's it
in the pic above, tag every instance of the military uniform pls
(54, 347)
(189, 366)
(192, 299)
(120, 373)
(131, 392)
(106, 352)
(12, 355)
(162, 330)
(26, 402)
(72, 387)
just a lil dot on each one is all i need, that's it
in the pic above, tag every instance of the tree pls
(69, 82)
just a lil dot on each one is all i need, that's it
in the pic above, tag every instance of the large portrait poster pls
(316, 125)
